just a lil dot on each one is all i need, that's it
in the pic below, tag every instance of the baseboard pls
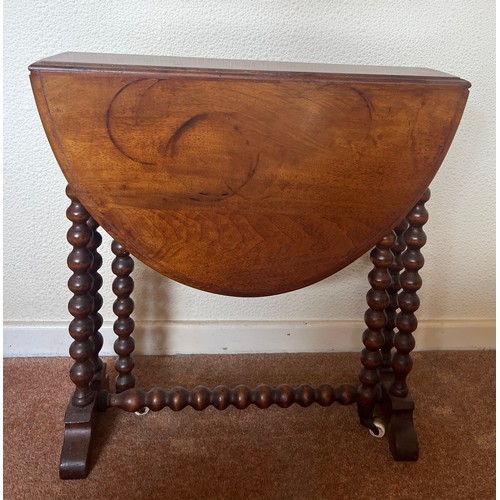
(162, 338)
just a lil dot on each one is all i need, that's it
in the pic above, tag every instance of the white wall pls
(450, 35)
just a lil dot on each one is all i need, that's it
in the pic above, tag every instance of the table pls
(245, 178)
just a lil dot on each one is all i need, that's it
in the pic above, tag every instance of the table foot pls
(80, 421)
(398, 416)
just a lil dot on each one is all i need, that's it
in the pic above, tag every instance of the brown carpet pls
(297, 453)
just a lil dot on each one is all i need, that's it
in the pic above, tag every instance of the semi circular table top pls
(245, 178)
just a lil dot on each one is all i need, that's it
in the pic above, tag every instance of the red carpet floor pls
(295, 453)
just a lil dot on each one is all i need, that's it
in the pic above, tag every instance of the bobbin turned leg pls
(398, 405)
(93, 245)
(373, 338)
(391, 310)
(86, 374)
(123, 285)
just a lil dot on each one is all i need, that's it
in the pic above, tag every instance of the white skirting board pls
(162, 338)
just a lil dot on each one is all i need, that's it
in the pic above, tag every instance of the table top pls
(245, 178)
(84, 61)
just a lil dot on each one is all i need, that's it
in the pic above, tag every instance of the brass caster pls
(379, 424)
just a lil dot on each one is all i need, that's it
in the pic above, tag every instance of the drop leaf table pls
(248, 179)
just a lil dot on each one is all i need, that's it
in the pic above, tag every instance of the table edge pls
(315, 72)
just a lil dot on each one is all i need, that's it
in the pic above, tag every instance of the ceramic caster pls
(142, 411)
(379, 424)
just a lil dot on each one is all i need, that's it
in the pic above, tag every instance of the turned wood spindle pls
(241, 396)
(373, 338)
(408, 300)
(93, 245)
(391, 310)
(123, 285)
(81, 305)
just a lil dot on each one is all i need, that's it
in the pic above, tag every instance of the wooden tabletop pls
(85, 61)
(245, 178)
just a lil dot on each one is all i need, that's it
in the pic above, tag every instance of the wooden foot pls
(398, 416)
(79, 423)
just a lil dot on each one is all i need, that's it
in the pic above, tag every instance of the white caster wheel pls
(142, 411)
(379, 424)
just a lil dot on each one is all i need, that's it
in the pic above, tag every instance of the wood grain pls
(245, 184)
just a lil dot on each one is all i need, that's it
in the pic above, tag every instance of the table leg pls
(408, 300)
(87, 376)
(93, 245)
(123, 285)
(398, 405)
(393, 290)
(373, 338)
(81, 305)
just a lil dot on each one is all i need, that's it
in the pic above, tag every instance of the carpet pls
(295, 453)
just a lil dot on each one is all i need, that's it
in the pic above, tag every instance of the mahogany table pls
(247, 179)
